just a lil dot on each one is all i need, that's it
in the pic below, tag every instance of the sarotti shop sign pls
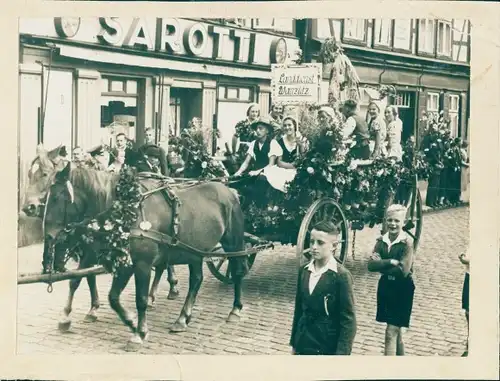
(172, 36)
(296, 84)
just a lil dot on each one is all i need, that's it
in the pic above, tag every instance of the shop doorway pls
(185, 104)
(405, 102)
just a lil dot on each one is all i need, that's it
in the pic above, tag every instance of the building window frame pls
(430, 97)
(454, 114)
(440, 50)
(377, 28)
(357, 39)
(427, 37)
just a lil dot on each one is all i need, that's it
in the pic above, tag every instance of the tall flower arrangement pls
(438, 146)
(192, 147)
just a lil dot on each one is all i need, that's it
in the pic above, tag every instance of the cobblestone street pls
(437, 327)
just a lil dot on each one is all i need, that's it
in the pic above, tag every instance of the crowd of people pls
(148, 157)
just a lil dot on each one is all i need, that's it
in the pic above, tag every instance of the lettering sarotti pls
(183, 37)
(296, 84)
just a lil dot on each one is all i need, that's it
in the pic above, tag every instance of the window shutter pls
(422, 108)
(446, 105)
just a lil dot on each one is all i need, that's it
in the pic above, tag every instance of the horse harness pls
(172, 240)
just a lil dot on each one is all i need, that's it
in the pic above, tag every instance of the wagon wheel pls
(324, 208)
(414, 216)
(219, 267)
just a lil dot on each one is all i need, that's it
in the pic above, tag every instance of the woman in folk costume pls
(377, 129)
(244, 132)
(324, 321)
(394, 131)
(393, 258)
(284, 171)
(262, 152)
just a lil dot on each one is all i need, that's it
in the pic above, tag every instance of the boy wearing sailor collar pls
(393, 258)
(324, 320)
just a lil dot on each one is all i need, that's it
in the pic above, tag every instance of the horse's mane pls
(98, 186)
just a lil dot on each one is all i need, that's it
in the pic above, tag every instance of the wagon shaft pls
(58, 277)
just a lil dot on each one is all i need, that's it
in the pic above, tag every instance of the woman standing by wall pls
(394, 131)
(378, 130)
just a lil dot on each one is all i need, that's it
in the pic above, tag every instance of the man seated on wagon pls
(356, 128)
(262, 152)
(151, 157)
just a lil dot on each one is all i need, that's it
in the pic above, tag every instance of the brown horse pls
(41, 175)
(209, 213)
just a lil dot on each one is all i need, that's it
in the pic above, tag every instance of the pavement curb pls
(444, 208)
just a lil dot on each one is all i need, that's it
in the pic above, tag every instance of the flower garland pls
(108, 233)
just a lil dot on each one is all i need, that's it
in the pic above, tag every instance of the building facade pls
(426, 60)
(82, 80)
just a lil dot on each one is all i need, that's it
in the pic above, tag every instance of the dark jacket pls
(154, 151)
(324, 322)
(402, 251)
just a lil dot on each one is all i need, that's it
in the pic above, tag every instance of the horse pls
(209, 214)
(43, 170)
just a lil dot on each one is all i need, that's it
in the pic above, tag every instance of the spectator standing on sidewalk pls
(393, 258)
(324, 321)
(465, 259)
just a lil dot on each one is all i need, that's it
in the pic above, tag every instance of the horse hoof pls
(234, 316)
(178, 327)
(151, 305)
(64, 326)
(134, 344)
(172, 295)
(90, 318)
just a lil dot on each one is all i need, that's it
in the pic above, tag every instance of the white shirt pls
(349, 126)
(401, 237)
(316, 274)
(274, 149)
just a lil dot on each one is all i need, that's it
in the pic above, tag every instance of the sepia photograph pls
(243, 186)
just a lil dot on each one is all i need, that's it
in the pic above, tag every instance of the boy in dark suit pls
(324, 321)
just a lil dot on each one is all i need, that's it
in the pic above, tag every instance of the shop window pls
(118, 107)
(355, 29)
(433, 102)
(426, 36)
(383, 32)
(444, 38)
(131, 87)
(453, 113)
(117, 87)
(231, 93)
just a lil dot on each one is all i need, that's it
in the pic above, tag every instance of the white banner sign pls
(296, 84)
